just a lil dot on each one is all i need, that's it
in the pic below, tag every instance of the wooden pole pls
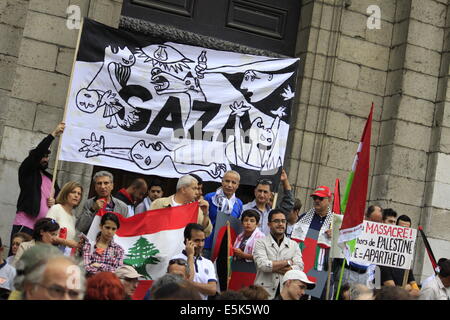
(228, 254)
(329, 263)
(55, 169)
(405, 278)
(275, 198)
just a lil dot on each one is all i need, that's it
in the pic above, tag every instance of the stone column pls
(38, 57)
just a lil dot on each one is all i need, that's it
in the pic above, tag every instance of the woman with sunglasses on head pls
(105, 255)
(46, 230)
(68, 199)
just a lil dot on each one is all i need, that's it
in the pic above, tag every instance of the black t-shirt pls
(395, 274)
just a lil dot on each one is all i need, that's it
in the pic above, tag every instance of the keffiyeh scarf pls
(222, 203)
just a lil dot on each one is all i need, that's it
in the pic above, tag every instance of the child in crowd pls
(293, 216)
(45, 230)
(245, 241)
(17, 240)
(105, 255)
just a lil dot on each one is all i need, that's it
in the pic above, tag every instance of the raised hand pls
(279, 112)
(287, 93)
(201, 64)
(93, 147)
(109, 98)
(216, 169)
(239, 109)
(59, 129)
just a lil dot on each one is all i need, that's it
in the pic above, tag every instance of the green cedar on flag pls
(354, 200)
(140, 255)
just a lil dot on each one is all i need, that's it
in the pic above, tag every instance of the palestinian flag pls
(150, 239)
(354, 201)
(225, 232)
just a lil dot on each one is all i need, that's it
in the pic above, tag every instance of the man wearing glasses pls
(45, 274)
(275, 254)
(263, 195)
(315, 225)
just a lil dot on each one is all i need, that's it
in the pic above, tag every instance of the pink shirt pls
(23, 219)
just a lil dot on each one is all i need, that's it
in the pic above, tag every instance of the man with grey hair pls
(43, 273)
(223, 200)
(104, 184)
(187, 190)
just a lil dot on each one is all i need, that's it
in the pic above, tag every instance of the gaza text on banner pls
(385, 245)
(170, 109)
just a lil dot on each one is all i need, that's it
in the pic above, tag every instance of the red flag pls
(337, 198)
(354, 211)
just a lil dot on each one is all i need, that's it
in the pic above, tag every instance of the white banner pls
(170, 109)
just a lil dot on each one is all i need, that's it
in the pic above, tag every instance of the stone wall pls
(401, 67)
(36, 56)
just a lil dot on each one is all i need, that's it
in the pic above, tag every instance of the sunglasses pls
(180, 262)
(317, 198)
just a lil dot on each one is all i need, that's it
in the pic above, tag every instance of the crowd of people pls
(50, 257)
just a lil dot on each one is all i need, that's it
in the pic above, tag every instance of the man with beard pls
(205, 279)
(275, 254)
(35, 183)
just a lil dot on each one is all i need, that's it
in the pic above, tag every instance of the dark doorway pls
(264, 24)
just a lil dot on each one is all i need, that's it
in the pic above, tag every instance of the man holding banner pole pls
(263, 193)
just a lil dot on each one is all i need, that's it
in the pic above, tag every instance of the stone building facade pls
(346, 64)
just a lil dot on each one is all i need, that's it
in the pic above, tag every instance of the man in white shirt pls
(439, 287)
(205, 279)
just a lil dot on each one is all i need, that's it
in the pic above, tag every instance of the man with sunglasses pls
(275, 254)
(316, 226)
(263, 194)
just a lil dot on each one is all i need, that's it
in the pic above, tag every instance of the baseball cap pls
(126, 271)
(322, 191)
(298, 275)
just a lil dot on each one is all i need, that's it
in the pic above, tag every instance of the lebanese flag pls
(354, 202)
(150, 239)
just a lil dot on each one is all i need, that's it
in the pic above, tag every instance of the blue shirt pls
(236, 212)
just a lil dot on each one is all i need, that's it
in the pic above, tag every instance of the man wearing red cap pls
(316, 224)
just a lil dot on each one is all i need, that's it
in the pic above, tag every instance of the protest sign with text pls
(385, 245)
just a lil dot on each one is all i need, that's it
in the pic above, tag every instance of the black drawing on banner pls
(118, 63)
(148, 156)
(262, 151)
(169, 81)
(164, 56)
(257, 75)
(131, 77)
